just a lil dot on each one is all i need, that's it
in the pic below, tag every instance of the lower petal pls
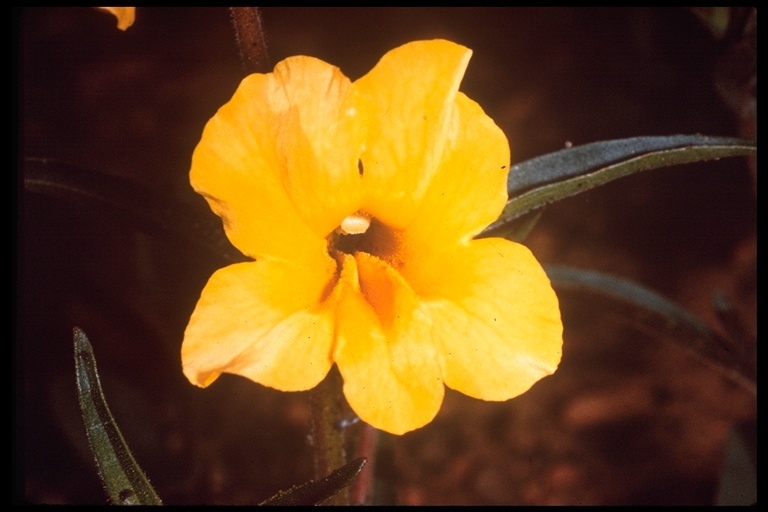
(385, 352)
(265, 321)
(496, 317)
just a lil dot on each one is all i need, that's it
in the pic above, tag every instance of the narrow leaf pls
(315, 493)
(519, 229)
(135, 206)
(549, 178)
(688, 331)
(124, 481)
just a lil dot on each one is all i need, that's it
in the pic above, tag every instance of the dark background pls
(629, 418)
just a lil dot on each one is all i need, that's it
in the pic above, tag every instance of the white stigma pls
(355, 224)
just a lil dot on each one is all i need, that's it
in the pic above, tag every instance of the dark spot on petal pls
(360, 167)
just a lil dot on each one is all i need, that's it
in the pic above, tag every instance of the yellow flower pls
(125, 15)
(359, 202)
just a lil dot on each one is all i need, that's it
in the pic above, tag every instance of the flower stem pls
(362, 487)
(338, 437)
(328, 437)
(250, 38)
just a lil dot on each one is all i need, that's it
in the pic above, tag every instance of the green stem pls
(329, 440)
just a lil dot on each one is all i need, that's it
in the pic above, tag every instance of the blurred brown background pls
(629, 418)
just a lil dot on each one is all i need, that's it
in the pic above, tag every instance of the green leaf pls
(315, 493)
(132, 205)
(647, 306)
(124, 481)
(549, 178)
(516, 230)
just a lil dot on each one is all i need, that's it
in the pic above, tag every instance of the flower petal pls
(384, 351)
(411, 93)
(320, 125)
(468, 191)
(265, 321)
(496, 318)
(279, 161)
(236, 168)
(125, 15)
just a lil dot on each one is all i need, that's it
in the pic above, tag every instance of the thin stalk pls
(362, 487)
(251, 39)
(328, 437)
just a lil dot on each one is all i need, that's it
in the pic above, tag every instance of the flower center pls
(356, 224)
(360, 232)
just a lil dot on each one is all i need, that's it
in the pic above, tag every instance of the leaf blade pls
(133, 205)
(124, 481)
(315, 493)
(699, 339)
(555, 176)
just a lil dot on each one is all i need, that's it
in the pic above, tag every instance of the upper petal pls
(496, 317)
(384, 351)
(279, 161)
(469, 188)
(236, 167)
(411, 93)
(320, 127)
(263, 320)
